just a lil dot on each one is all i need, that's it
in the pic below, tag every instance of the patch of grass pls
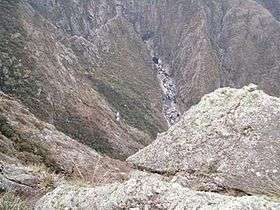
(17, 67)
(48, 182)
(9, 201)
(5, 128)
(134, 111)
(78, 129)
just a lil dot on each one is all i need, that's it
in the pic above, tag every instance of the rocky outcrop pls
(25, 140)
(226, 144)
(230, 140)
(146, 191)
(111, 75)
(273, 6)
(20, 180)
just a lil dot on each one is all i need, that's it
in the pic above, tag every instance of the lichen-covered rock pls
(19, 179)
(229, 140)
(146, 191)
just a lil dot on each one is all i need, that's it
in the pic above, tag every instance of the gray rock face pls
(230, 140)
(273, 6)
(146, 191)
(17, 179)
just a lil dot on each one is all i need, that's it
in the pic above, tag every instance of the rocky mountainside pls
(95, 92)
(146, 191)
(223, 154)
(212, 44)
(77, 71)
(87, 68)
(34, 155)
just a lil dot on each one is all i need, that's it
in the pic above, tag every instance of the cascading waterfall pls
(168, 86)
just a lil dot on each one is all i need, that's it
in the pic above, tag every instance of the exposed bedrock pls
(230, 140)
(147, 191)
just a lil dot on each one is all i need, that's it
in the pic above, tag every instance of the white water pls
(168, 86)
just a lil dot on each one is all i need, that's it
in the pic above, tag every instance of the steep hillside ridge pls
(86, 67)
(35, 158)
(77, 70)
(212, 44)
(25, 140)
(230, 140)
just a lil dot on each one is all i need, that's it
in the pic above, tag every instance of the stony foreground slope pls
(230, 140)
(228, 143)
(31, 150)
(223, 154)
(146, 191)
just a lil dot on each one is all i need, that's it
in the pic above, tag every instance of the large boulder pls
(146, 191)
(230, 140)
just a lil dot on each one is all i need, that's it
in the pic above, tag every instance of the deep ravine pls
(170, 109)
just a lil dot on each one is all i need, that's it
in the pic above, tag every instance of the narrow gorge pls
(150, 104)
(169, 92)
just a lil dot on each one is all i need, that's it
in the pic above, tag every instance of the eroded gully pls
(170, 108)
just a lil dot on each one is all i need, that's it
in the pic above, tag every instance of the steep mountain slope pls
(77, 71)
(25, 140)
(35, 157)
(87, 66)
(211, 44)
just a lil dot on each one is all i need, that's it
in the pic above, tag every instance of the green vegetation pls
(134, 111)
(17, 67)
(9, 201)
(5, 128)
(100, 144)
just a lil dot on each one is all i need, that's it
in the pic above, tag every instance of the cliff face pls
(211, 44)
(86, 66)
